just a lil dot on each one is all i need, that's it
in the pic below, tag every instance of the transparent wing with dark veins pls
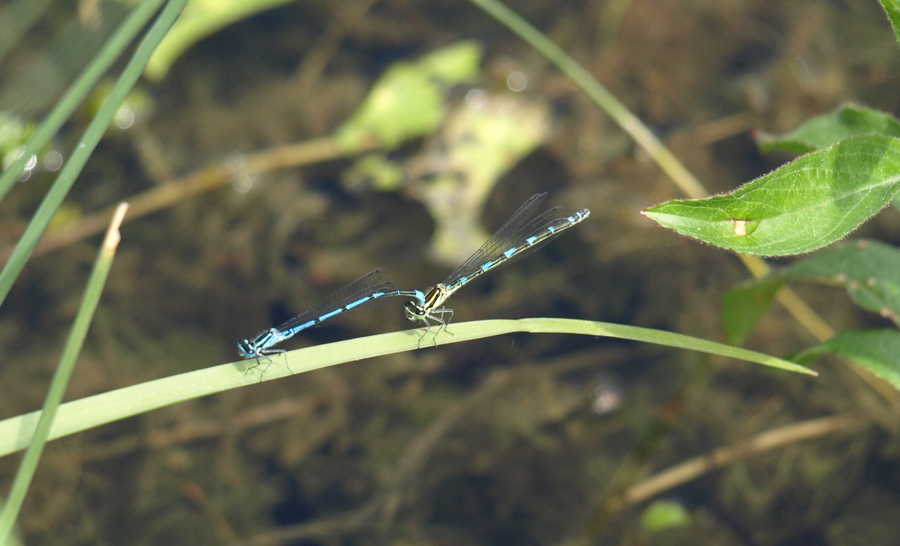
(362, 287)
(514, 232)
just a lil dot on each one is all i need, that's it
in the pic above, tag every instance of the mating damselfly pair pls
(519, 236)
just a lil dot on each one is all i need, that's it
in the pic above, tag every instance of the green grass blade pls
(61, 378)
(100, 409)
(86, 146)
(79, 89)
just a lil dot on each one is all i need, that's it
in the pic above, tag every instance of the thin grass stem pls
(60, 381)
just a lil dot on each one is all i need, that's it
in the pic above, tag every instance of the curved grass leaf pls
(809, 203)
(100, 409)
(846, 121)
(868, 269)
(876, 350)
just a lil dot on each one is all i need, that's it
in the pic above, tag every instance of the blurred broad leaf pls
(66, 215)
(199, 19)
(139, 104)
(14, 133)
(474, 148)
(892, 8)
(809, 203)
(408, 100)
(664, 514)
(457, 63)
(743, 307)
(847, 121)
(376, 170)
(869, 270)
(404, 103)
(876, 350)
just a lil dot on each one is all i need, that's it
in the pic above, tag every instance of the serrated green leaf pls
(809, 203)
(876, 350)
(846, 121)
(892, 8)
(743, 307)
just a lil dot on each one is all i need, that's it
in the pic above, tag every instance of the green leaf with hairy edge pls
(892, 8)
(846, 121)
(743, 307)
(809, 203)
(876, 350)
(408, 100)
(868, 269)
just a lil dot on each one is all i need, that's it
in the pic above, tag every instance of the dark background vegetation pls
(490, 442)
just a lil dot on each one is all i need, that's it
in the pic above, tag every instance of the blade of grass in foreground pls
(105, 408)
(61, 377)
(86, 146)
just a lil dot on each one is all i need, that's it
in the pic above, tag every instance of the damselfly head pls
(245, 349)
(414, 311)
